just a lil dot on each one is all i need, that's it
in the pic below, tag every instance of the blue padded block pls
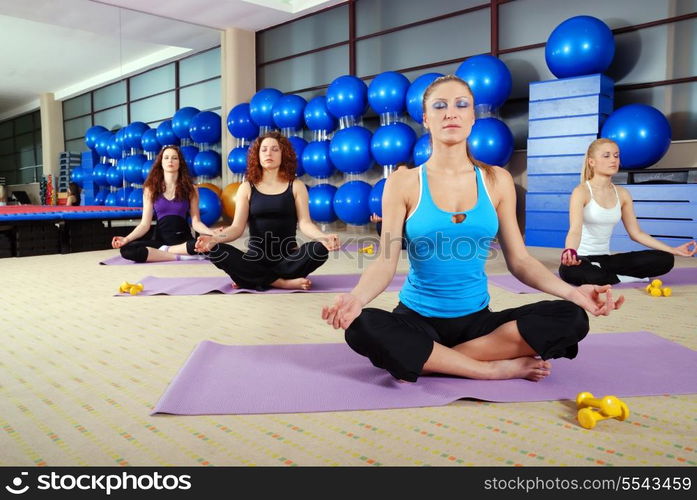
(574, 125)
(670, 192)
(665, 210)
(545, 238)
(545, 220)
(571, 106)
(577, 144)
(572, 87)
(557, 164)
(546, 183)
(547, 201)
(626, 244)
(661, 227)
(88, 159)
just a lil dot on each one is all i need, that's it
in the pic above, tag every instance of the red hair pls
(156, 179)
(289, 161)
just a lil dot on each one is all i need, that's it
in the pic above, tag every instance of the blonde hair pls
(488, 169)
(587, 171)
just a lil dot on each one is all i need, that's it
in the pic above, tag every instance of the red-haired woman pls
(169, 194)
(273, 203)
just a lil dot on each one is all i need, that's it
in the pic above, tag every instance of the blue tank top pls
(446, 259)
(164, 207)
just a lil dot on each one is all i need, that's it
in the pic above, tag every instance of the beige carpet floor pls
(80, 371)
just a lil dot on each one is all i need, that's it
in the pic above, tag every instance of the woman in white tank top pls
(596, 206)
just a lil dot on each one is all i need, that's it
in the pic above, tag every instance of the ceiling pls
(67, 47)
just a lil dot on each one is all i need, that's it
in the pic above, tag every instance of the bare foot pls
(294, 284)
(524, 367)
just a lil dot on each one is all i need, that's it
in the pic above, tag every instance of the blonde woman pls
(595, 207)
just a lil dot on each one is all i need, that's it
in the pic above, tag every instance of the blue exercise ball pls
(110, 200)
(134, 134)
(91, 135)
(135, 198)
(491, 141)
(134, 168)
(119, 138)
(349, 150)
(205, 127)
(288, 112)
(145, 169)
(489, 79)
(113, 149)
(387, 92)
(100, 196)
(321, 201)
(316, 160)
(261, 106)
(122, 196)
(317, 116)
(237, 160)
(181, 121)
(77, 175)
(165, 134)
(393, 144)
(347, 96)
(189, 153)
(114, 177)
(642, 133)
(99, 174)
(351, 202)
(415, 95)
(240, 123)
(375, 199)
(209, 206)
(299, 145)
(207, 163)
(422, 149)
(102, 143)
(149, 141)
(581, 45)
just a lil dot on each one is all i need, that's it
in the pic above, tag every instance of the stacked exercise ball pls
(584, 45)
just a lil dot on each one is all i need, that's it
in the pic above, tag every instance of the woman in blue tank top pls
(273, 203)
(169, 195)
(453, 207)
(595, 207)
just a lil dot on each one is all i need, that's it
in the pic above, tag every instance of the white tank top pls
(598, 223)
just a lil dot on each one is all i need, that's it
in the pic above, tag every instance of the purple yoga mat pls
(117, 260)
(677, 277)
(302, 378)
(321, 283)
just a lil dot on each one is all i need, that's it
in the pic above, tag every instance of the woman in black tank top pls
(273, 203)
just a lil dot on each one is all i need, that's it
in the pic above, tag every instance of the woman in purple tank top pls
(450, 208)
(273, 203)
(170, 196)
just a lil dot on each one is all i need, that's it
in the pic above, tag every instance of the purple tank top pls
(164, 207)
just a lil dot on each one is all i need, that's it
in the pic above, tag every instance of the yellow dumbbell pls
(667, 291)
(657, 283)
(655, 292)
(136, 289)
(370, 249)
(606, 407)
(125, 287)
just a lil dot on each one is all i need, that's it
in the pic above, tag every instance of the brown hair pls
(587, 171)
(156, 178)
(289, 161)
(488, 169)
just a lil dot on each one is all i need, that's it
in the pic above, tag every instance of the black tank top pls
(272, 224)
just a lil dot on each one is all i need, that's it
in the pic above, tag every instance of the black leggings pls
(401, 341)
(170, 230)
(641, 264)
(248, 271)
